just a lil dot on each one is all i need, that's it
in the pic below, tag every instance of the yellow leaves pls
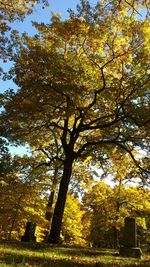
(3, 183)
(141, 222)
(109, 207)
(116, 155)
(146, 38)
(72, 220)
(87, 160)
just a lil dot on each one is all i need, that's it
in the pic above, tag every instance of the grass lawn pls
(17, 254)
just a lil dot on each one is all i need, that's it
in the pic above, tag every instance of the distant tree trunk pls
(49, 207)
(115, 230)
(50, 203)
(48, 214)
(115, 237)
(15, 217)
(11, 228)
(54, 236)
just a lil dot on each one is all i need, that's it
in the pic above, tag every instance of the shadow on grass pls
(65, 249)
(70, 257)
(35, 246)
(84, 252)
(17, 260)
(20, 261)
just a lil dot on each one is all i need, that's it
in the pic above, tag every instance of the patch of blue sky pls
(19, 150)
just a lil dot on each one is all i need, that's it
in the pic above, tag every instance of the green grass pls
(17, 254)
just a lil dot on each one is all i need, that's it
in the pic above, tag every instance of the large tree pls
(86, 79)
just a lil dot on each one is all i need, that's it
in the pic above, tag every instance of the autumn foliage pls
(82, 104)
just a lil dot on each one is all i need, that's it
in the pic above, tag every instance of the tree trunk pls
(12, 226)
(54, 236)
(49, 207)
(115, 237)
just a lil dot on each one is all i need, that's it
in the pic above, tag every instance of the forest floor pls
(17, 254)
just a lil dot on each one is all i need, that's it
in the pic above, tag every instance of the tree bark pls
(12, 226)
(49, 207)
(115, 237)
(54, 236)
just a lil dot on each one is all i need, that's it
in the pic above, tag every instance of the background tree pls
(20, 197)
(72, 227)
(5, 159)
(101, 202)
(89, 80)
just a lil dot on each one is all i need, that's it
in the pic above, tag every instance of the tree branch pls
(49, 163)
(131, 155)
